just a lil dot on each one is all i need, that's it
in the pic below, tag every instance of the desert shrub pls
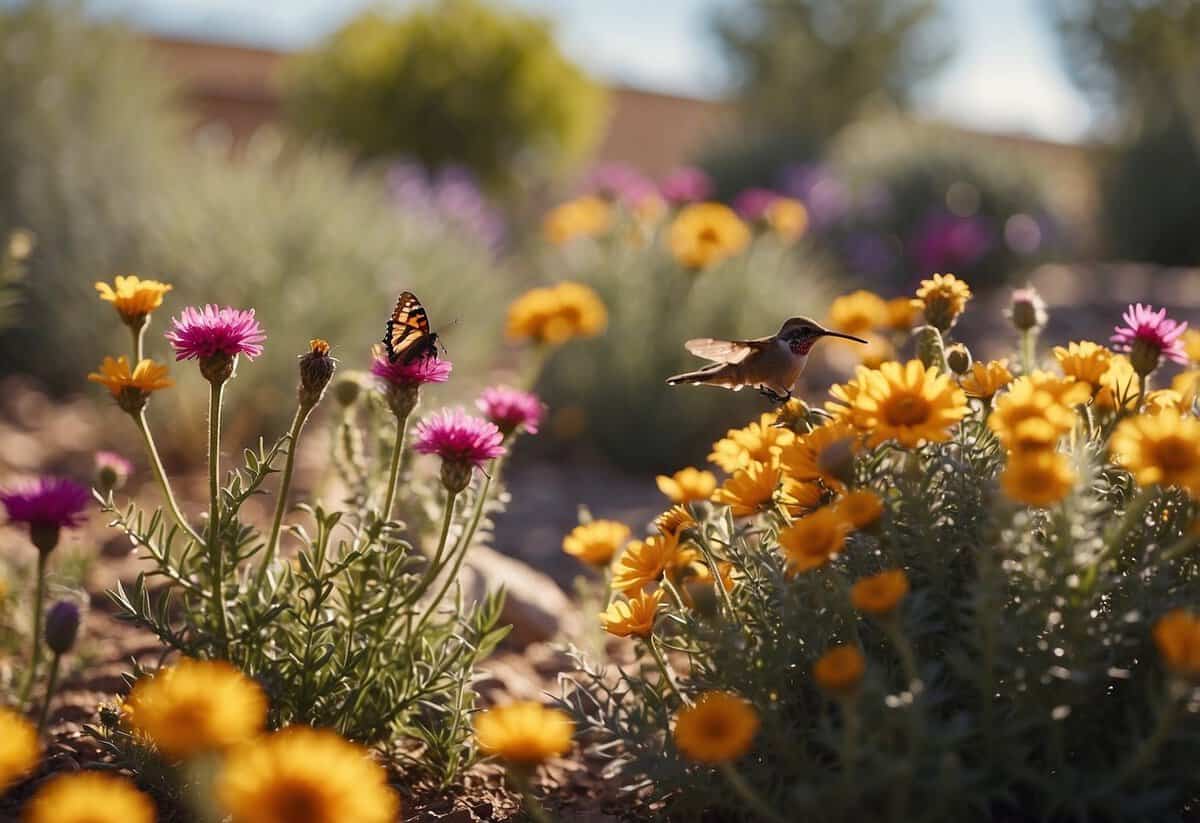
(91, 163)
(658, 295)
(947, 596)
(453, 82)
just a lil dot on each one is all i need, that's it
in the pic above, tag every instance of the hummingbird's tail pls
(708, 375)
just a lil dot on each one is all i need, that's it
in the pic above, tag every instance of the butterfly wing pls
(723, 351)
(408, 336)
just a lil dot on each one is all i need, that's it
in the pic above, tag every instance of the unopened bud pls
(931, 350)
(958, 358)
(346, 391)
(112, 470)
(1027, 310)
(62, 626)
(456, 475)
(402, 399)
(1144, 356)
(316, 370)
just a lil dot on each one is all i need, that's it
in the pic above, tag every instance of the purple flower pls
(410, 375)
(1149, 335)
(203, 333)
(511, 408)
(449, 196)
(687, 184)
(457, 437)
(945, 241)
(752, 204)
(46, 505)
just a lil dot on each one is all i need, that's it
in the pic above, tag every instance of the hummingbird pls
(770, 364)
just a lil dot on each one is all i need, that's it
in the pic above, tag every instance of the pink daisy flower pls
(511, 408)
(408, 375)
(201, 333)
(1153, 330)
(46, 503)
(457, 437)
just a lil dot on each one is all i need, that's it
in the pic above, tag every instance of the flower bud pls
(346, 391)
(112, 470)
(44, 536)
(62, 626)
(931, 350)
(456, 475)
(217, 368)
(958, 358)
(316, 370)
(402, 399)
(1027, 310)
(1144, 356)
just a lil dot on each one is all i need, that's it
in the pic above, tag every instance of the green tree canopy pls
(808, 66)
(454, 82)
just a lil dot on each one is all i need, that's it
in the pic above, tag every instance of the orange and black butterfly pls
(408, 336)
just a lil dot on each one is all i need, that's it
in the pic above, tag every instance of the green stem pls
(746, 792)
(667, 675)
(535, 809)
(394, 468)
(216, 557)
(1028, 351)
(904, 651)
(138, 333)
(160, 475)
(285, 485)
(435, 564)
(35, 655)
(51, 684)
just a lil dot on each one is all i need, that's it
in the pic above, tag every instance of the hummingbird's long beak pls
(829, 333)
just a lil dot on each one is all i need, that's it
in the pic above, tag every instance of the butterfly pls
(408, 336)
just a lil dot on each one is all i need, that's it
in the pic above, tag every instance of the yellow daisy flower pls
(749, 490)
(132, 297)
(643, 562)
(588, 216)
(718, 728)
(1161, 449)
(18, 748)
(758, 442)
(555, 314)
(633, 617)
(1191, 345)
(859, 508)
(942, 298)
(822, 454)
(1177, 635)
(985, 379)
(89, 797)
(840, 670)
(1162, 399)
(1187, 384)
(147, 376)
(881, 593)
(844, 395)
(788, 218)
(196, 706)
(858, 312)
(799, 497)
(1085, 361)
(674, 520)
(704, 234)
(1066, 391)
(304, 774)
(901, 314)
(909, 404)
(1027, 417)
(596, 543)
(1037, 478)
(687, 485)
(525, 733)
(812, 541)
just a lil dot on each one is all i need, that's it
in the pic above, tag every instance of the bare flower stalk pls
(285, 484)
(39, 604)
(216, 556)
(164, 483)
(389, 500)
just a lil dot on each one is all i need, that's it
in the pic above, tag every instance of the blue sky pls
(1004, 77)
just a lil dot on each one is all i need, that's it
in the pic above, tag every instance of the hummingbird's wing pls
(725, 351)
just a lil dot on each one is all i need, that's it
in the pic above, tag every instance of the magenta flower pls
(202, 333)
(511, 408)
(463, 442)
(687, 184)
(1149, 335)
(46, 505)
(752, 204)
(410, 375)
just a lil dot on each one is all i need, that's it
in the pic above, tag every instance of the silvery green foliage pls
(336, 636)
(1039, 690)
(654, 304)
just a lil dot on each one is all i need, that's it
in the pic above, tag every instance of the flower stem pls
(435, 564)
(285, 485)
(1028, 351)
(904, 651)
(139, 333)
(160, 475)
(459, 551)
(537, 812)
(667, 675)
(394, 469)
(746, 792)
(51, 684)
(216, 557)
(35, 655)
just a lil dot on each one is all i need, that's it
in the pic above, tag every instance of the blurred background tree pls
(452, 83)
(810, 66)
(1140, 62)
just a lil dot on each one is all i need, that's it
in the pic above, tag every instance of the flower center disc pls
(907, 410)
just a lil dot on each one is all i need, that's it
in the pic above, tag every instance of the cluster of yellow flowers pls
(883, 323)
(553, 315)
(700, 235)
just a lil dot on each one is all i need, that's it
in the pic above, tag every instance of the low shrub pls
(948, 594)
